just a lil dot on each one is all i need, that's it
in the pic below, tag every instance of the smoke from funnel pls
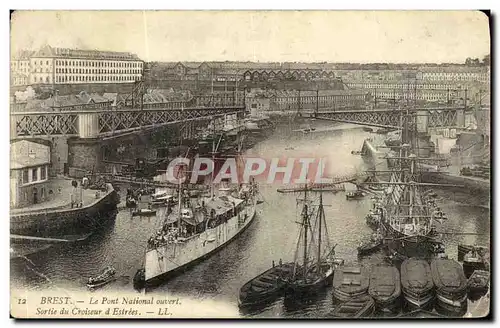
(23, 96)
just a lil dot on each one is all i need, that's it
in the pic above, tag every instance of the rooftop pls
(51, 52)
(26, 153)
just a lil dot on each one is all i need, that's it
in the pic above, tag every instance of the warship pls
(197, 227)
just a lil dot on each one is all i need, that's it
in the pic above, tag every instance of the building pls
(71, 66)
(455, 73)
(444, 92)
(287, 100)
(20, 68)
(257, 104)
(376, 75)
(29, 173)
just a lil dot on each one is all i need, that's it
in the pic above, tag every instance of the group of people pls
(166, 235)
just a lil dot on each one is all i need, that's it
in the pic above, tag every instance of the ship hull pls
(418, 246)
(297, 289)
(178, 259)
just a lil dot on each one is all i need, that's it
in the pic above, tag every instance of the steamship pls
(198, 228)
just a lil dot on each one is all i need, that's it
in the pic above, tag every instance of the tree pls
(486, 60)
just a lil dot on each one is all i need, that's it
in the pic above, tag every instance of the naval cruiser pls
(197, 228)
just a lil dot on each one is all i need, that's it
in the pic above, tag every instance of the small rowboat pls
(358, 194)
(106, 276)
(369, 247)
(478, 282)
(359, 307)
(475, 260)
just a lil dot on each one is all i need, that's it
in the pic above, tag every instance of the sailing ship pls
(198, 227)
(408, 212)
(315, 269)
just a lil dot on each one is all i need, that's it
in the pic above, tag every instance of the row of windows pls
(321, 98)
(402, 86)
(454, 73)
(82, 63)
(36, 174)
(97, 71)
(79, 78)
(459, 78)
(107, 78)
(88, 64)
(421, 97)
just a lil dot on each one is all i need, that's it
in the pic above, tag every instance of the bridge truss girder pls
(44, 124)
(436, 118)
(115, 122)
(119, 122)
(386, 119)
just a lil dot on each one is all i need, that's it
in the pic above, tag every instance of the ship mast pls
(305, 220)
(320, 218)
(180, 205)
(213, 163)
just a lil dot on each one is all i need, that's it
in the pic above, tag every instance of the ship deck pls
(61, 201)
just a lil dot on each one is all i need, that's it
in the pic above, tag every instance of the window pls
(25, 176)
(34, 174)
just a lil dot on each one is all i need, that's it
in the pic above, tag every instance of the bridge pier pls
(84, 155)
(422, 121)
(460, 118)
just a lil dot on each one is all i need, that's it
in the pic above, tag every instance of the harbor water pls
(270, 238)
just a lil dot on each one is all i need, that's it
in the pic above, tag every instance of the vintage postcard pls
(250, 164)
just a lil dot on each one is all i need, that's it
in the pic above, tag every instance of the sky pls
(302, 36)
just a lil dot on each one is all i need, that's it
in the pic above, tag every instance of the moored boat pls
(373, 245)
(449, 281)
(139, 279)
(316, 268)
(385, 287)
(144, 212)
(162, 200)
(369, 247)
(266, 286)
(360, 307)
(416, 281)
(130, 202)
(106, 276)
(357, 194)
(464, 249)
(477, 284)
(373, 219)
(350, 282)
(476, 259)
